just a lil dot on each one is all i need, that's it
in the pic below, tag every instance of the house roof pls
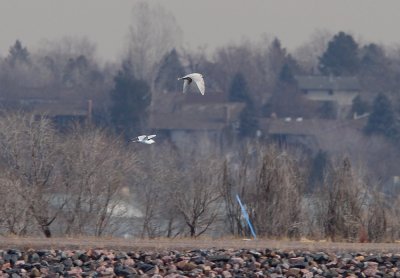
(165, 103)
(335, 83)
(307, 127)
(208, 97)
(49, 101)
(169, 102)
(192, 111)
(197, 117)
(51, 107)
(177, 122)
(329, 135)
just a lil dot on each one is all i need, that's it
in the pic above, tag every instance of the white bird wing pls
(151, 136)
(185, 85)
(151, 141)
(141, 137)
(198, 78)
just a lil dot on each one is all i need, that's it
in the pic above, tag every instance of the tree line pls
(261, 75)
(154, 55)
(86, 182)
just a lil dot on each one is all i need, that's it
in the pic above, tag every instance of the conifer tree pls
(341, 57)
(130, 99)
(18, 54)
(169, 70)
(382, 118)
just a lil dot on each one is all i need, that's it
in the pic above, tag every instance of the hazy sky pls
(208, 23)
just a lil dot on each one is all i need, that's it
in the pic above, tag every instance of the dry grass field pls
(85, 243)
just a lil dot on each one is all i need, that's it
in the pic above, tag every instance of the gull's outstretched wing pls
(141, 137)
(186, 84)
(198, 78)
(149, 142)
(151, 136)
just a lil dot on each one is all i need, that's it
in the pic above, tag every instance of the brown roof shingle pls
(213, 116)
(336, 83)
(307, 126)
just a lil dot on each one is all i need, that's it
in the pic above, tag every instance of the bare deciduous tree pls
(67, 47)
(176, 191)
(376, 214)
(16, 217)
(238, 177)
(341, 202)
(277, 196)
(96, 168)
(231, 207)
(245, 58)
(152, 33)
(159, 173)
(308, 54)
(196, 196)
(29, 152)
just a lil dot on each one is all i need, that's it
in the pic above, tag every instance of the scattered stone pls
(226, 274)
(359, 258)
(196, 263)
(293, 272)
(216, 258)
(34, 258)
(35, 273)
(236, 260)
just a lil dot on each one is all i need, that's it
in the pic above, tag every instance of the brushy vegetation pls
(87, 182)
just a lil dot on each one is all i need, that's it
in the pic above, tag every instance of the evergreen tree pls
(238, 91)
(18, 54)
(341, 56)
(359, 106)
(281, 64)
(375, 74)
(382, 118)
(248, 121)
(286, 75)
(170, 69)
(288, 70)
(130, 99)
(372, 56)
(277, 56)
(286, 99)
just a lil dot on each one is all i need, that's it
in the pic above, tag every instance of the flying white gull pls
(145, 139)
(197, 78)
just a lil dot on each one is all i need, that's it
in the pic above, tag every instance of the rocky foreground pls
(196, 263)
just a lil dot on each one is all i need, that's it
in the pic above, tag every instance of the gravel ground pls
(91, 257)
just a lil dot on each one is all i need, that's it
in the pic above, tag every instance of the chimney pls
(89, 110)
